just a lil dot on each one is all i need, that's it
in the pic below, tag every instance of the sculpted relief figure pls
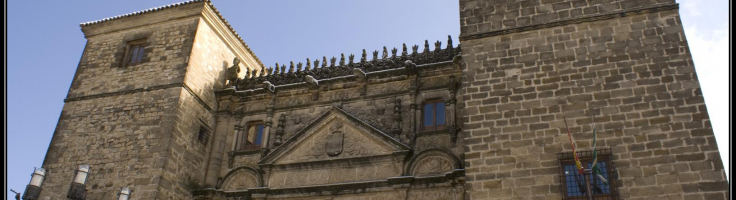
(232, 73)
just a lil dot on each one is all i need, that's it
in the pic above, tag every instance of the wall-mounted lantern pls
(33, 190)
(81, 176)
(124, 194)
(77, 190)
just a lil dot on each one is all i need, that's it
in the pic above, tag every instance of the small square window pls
(573, 183)
(433, 115)
(134, 52)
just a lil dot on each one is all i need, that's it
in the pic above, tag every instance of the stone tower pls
(529, 64)
(140, 109)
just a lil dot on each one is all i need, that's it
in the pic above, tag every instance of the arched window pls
(433, 115)
(251, 138)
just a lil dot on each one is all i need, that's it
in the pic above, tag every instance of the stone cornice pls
(591, 18)
(142, 18)
(90, 23)
(210, 15)
(398, 73)
(449, 179)
(231, 38)
(145, 89)
(407, 62)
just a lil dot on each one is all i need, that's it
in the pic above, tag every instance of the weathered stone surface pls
(479, 16)
(622, 68)
(355, 130)
(137, 125)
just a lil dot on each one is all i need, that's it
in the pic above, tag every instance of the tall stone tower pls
(531, 64)
(140, 109)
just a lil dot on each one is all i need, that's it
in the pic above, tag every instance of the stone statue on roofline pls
(232, 73)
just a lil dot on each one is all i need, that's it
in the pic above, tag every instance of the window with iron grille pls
(134, 52)
(433, 115)
(204, 135)
(250, 138)
(573, 183)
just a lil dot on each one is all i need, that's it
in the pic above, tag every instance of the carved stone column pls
(413, 90)
(280, 131)
(267, 127)
(218, 149)
(451, 103)
(237, 140)
(396, 126)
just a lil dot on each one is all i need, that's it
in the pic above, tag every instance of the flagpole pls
(586, 174)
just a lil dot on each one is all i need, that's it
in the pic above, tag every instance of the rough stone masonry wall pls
(164, 62)
(635, 72)
(187, 155)
(122, 139)
(481, 16)
(120, 119)
(210, 57)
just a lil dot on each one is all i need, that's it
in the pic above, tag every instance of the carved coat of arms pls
(334, 143)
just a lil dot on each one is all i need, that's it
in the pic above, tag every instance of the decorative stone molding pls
(242, 178)
(355, 144)
(211, 15)
(432, 161)
(282, 77)
(592, 18)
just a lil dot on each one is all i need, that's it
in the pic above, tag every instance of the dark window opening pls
(433, 115)
(134, 52)
(204, 135)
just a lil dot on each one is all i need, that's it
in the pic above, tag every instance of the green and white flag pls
(597, 170)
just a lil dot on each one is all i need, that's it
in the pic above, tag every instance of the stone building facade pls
(171, 103)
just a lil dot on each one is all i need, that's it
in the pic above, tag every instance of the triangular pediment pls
(331, 136)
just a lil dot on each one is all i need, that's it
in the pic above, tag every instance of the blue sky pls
(45, 43)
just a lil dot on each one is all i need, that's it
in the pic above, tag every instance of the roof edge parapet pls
(280, 76)
(150, 10)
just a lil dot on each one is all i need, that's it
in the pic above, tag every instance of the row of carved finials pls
(254, 78)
